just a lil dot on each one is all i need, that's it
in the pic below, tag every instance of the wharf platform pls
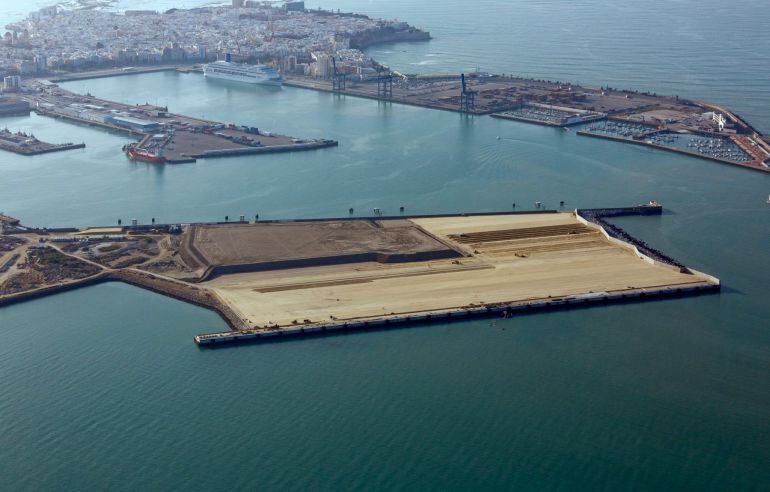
(166, 137)
(110, 72)
(23, 144)
(510, 263)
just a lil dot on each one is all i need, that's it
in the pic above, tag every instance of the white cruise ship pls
(242, 72)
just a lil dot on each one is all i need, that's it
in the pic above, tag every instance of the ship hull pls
(241, 72)
(138, 155)
(236, 78)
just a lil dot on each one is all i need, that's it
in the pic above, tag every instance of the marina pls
(740, 150)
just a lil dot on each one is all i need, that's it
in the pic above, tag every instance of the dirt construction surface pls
(328, 242)
(510, 258)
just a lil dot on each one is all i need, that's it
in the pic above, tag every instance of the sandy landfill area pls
(507, 258)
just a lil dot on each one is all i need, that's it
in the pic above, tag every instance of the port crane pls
(467, 96)
(384, 83)
(338, 78)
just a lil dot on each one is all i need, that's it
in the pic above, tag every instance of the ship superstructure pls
(242, 72)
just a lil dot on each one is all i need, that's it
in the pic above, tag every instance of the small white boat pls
(768, 198)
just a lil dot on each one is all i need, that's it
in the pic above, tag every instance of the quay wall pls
(30, 152)
(74, 76)
(150, 227)
(265, 149)
(412, 216)
(74, 119)
(296, 82)
(498, 310)
(532, 121)
(623, 211)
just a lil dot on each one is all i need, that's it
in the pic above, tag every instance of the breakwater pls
(747, 165)
(597, 216)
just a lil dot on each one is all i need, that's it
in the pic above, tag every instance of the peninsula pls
(283, 278)
(322, 50)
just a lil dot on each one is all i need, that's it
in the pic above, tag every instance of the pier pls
(164, 137)
(23, 144)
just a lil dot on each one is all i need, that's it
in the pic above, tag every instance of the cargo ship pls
(136, 154)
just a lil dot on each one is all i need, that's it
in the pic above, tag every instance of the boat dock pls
(166, 137)
(23, 144)
(754, 164)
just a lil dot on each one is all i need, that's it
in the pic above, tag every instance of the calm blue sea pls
(103, 388)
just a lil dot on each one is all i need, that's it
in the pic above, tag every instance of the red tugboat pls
(136, 154)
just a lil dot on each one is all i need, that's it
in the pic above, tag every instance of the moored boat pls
(137, 154)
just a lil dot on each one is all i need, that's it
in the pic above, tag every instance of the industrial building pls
(144, 126)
